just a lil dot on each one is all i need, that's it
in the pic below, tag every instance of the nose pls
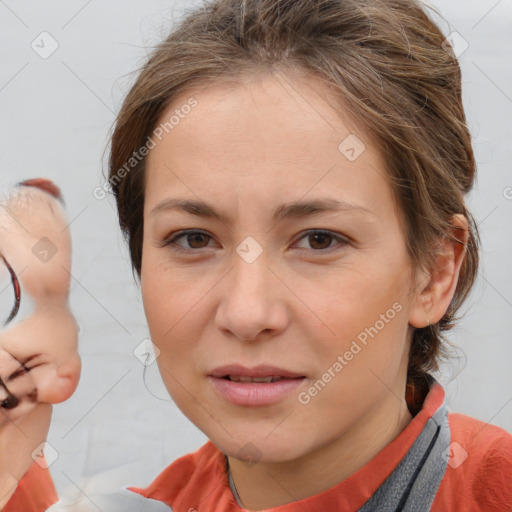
(253, 302)
(45, 185)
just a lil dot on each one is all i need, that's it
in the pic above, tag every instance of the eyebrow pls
(296, 209)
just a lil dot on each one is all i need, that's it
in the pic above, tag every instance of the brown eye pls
(195, 239)
(321, 240)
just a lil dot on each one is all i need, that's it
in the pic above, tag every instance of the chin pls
(261, 448)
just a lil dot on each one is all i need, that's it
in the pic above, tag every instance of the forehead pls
(263, 138)
(265, 113)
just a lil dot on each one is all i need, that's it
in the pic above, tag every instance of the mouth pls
(263, 385)
(260, 373)
(270, 378)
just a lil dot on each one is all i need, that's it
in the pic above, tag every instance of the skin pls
(43, 336)
(245, 150)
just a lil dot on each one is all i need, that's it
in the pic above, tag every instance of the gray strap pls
(123, 500)
(413, 484)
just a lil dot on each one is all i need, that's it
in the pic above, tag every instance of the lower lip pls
(255, 393)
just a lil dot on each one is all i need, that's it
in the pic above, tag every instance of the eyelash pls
(171, 241)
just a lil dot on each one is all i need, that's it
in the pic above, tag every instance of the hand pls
(39, 362)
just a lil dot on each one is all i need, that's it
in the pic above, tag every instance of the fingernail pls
(45, 185)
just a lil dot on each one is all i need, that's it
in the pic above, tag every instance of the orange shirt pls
(478, 477)
(35, 492)
(482, 482)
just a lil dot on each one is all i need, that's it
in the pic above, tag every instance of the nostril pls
(45, 185)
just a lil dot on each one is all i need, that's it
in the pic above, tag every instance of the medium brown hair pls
(389, 64)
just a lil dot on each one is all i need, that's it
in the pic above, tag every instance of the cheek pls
(357, 299)
(361, 364)
(157, 292)
(366, 318)
(171, 308)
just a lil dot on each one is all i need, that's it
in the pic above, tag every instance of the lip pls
(263, 370)
(255, 393)
(251, 394)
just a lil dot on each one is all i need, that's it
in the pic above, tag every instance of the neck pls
(268, 485)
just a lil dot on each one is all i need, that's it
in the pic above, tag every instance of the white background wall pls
(55, 115)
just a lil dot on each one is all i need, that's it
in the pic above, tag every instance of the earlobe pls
(438, 286)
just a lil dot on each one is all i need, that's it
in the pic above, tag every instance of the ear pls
(435, 288)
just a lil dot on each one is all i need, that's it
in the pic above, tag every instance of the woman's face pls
(293, 257)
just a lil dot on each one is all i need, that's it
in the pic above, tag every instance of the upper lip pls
(256, 371)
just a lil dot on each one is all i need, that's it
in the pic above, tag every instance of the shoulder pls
(188, 479)
(196, 474)
(486, 446)
(35, 491)
(479, 466)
